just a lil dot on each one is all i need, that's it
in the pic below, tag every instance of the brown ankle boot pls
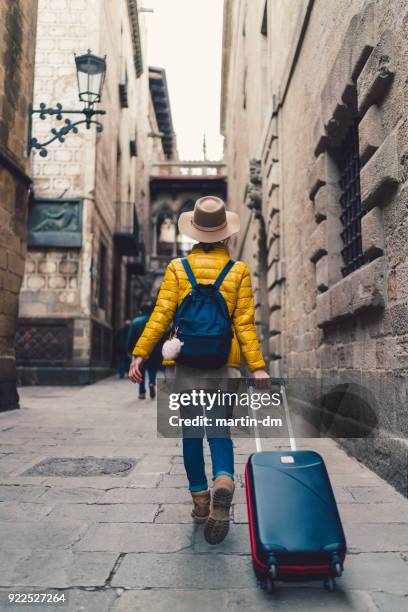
(201, 506)
(217, 525)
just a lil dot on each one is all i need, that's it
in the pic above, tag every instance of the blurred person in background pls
(154, 363)
(121, 345)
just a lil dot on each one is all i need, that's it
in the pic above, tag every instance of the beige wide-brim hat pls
(209, 221)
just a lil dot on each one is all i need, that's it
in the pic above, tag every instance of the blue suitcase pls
(294, 524)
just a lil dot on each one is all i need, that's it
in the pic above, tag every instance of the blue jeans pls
(152, 379)
(222, 457)
(221, 448)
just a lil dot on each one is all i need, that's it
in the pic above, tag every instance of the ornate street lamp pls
(91, 71)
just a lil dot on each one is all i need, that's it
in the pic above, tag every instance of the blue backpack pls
(203, 323)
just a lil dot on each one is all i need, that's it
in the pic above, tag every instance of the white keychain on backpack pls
(172, 347)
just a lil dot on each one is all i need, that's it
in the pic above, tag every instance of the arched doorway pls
(165, 229)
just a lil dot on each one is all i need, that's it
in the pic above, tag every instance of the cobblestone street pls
(126, 543)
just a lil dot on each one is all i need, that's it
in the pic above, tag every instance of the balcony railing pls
(188, 168)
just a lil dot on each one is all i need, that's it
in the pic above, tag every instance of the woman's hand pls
(135, 374)
(260, 374)
(261, 379)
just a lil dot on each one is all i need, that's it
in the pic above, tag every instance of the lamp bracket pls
(60, 133)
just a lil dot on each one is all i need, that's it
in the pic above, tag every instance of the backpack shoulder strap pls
(223, 273)
(189, 272)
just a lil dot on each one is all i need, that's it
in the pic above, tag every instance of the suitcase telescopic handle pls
(292, 439)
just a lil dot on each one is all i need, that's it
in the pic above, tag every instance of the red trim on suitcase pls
(258, 562)
(305, 569)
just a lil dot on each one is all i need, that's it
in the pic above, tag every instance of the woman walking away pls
(227, 310)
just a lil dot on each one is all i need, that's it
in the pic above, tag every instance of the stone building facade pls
(314, 111)
(90, 201)
(17, 48)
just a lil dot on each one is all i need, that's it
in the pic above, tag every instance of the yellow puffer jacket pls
(236, 290)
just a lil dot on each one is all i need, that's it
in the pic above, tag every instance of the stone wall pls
(51, 284)
(339, 67)
(17, 44)
(97, 169)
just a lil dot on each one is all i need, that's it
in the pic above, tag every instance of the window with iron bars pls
(352, 251)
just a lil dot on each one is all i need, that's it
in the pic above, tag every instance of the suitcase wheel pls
(338, 569)
(273, 571)
(329, 584)
(269, 584)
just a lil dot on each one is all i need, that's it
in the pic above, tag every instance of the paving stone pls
(159, 600)
(131, 537)
(237, 600)
(307, 599)
(342, 494)
(55, 568)
(386, 602)
(177, 469)
(338, 465)
(20, 492)
(145, 480)
(149, 496)
(80, 496)
(375, 494)
(391, 512)
(95, 449)
(375, 572)
(174, 513)
(104, 513)
(23, 511)
(365, 477)
(177, 460)
(159, 449)
(17, 462)
(98, 482)
(89, 601)
(12, 479)
(240, 513)
(240, 495)
(169, 480)
(153, 465)
(185, 571)
(377, 537)
(47, 534)
(236, 542)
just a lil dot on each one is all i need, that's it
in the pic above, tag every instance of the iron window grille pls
(352, 251)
